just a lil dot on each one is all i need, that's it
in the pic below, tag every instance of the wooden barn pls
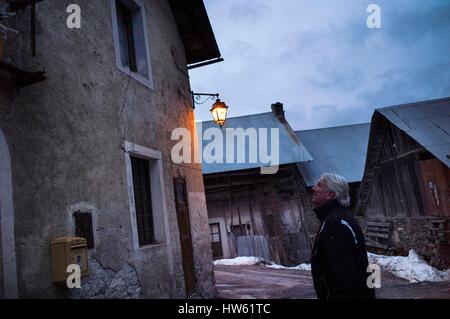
(405, 192)
(255, 214)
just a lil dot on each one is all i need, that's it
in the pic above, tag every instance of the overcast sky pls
(320, 59)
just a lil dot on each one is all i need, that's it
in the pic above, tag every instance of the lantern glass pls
(219, 112)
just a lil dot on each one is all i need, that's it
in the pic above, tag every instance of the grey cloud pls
(327, 115)
(241, 48)
(403, 23)
(247, 11)
(410, 24)
(403, 85)
(332, 70)
(340, 78)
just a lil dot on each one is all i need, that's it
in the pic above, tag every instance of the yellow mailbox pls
(65, 251)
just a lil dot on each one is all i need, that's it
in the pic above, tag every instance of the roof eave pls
(196, 32)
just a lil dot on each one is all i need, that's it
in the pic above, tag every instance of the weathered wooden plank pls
(378, 230)
(371, 234)
(370, 223)
(372, 243)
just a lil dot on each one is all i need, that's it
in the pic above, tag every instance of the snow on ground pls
(240, 261)
(249, 261)
(306, 267)
(411, 267)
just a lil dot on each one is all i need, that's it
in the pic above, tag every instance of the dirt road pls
(260, 282)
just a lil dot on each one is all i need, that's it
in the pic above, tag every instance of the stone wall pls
(410, 233)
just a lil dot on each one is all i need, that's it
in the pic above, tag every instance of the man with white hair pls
(339, 257)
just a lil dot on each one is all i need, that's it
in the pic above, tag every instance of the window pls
(143, 201)
(214, 232)
(83, 227)
(130, 40)
(126, 38)
(146, 192)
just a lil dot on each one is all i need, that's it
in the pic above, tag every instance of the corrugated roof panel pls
(428, 123)
(340, 150)
(290, 151)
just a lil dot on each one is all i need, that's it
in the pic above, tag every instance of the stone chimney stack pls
(277, 109)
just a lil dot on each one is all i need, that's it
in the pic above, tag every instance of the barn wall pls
(272, 206)
(411, 193)
(396, 190)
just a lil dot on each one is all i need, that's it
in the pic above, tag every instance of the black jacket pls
(339, 257)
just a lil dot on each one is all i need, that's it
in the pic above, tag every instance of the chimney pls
(277, 109)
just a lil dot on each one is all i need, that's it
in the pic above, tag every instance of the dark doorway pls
(185, 234)
(216, 240)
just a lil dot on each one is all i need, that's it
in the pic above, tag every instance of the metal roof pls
(340, 150)
(428, 123)
(291, 150)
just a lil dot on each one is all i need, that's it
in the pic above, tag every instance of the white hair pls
(339, 186)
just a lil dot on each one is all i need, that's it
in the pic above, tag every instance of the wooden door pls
(185, 234)
(435, 181)
(216, 240)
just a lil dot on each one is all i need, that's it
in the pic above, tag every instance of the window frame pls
(211, 233)
(142, 189)
(158, 195)
(115, 28)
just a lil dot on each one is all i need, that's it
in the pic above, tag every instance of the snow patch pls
(250, 261)
(240, 261)
(306, 267)
(412, 267)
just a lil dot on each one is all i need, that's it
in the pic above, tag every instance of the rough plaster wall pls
(1, 213)
(1, 269)
(202, 248)
(107, 283)
(65, 136)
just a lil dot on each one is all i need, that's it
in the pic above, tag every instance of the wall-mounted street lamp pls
(218, 110)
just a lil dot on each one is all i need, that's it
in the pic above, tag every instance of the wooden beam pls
(419, 150)
(250, 209)
(239, 219)
(229, 205)
(363, 198)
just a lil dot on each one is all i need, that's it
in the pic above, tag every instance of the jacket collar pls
(323, 211)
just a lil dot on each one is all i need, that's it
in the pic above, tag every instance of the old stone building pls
(86, 116)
